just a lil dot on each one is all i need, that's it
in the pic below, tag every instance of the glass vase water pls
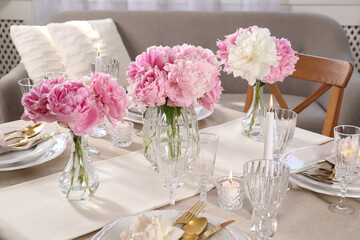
(79, 181)
(251, 121)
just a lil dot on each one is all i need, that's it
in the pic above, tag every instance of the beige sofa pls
(308, 33)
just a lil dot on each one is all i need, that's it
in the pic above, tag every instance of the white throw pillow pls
(76, 43)
(36, 49)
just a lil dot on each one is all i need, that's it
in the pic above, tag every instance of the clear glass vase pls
(165, 123)
(251, 121)
(79, 181)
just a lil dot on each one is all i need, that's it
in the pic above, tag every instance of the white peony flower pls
(147, 228)
(253, 54)
(348, 147)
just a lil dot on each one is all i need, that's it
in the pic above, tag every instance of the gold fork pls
(191, 213)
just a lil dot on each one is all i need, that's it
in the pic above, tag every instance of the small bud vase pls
(79, 181)
(165, 123)
(251, 121)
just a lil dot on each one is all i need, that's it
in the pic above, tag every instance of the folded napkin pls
(5, 146)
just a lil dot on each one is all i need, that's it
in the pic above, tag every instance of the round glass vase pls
(251, 121)
(79, 181)
(165, 123)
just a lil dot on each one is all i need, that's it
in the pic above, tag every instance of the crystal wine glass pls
(203, 166)
(172, 157)
(347, 140)
(265, 183)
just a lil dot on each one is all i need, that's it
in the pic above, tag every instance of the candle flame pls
(230, 176)
(271, 102)
(98, 50)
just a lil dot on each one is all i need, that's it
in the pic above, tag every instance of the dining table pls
(33, 207)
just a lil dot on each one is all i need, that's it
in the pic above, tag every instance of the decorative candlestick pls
(269, 132)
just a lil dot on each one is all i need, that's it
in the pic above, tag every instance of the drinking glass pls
(347, 140)
(265, 183)
(203, 166)
(109, 66)
(25, 85)
(172, 158)
(54, 75)
(284, 128)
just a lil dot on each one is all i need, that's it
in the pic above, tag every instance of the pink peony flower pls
(35, 102)
(287, 60)
(72, 102)
(112, 96)
(212, 97)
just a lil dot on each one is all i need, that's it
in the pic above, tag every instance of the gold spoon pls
(25, 128)
(190, 237)
(195, 226)
(36, 129)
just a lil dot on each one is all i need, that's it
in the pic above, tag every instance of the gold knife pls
(214, 230)
(33, 139)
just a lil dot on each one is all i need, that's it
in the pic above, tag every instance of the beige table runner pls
(38, 210)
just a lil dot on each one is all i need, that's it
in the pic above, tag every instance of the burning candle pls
(269, 132)
(98, 61)
(230, 192)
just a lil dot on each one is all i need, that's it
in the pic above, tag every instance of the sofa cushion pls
(69, 47)
(76, 43)
(36, 49)
(307, 119)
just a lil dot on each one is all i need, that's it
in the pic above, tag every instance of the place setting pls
(29, 146)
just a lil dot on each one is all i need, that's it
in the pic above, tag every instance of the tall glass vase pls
(165, 123)
(79, 181)
(251, 121)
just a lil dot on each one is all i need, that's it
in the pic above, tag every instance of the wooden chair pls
(330, 72)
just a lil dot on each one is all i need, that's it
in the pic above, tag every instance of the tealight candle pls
(269, 132)
(98, 61)
(230, 192)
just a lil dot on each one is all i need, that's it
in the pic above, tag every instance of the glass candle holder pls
(230, 193)
(108, 66)
(121, 135)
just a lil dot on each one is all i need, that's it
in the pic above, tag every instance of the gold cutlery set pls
(29, 134)
(194, 227)
(322, 174)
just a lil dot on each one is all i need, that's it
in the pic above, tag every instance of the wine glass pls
(25, 85)
(172, 157)
(203, 166)
(347, 140)
(265, 183)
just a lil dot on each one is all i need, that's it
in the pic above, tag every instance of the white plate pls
(18, 156)
(57, 146)
(307, 155)
(113, 230)
(201, 113)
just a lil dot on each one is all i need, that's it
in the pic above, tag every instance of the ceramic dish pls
(56, 147)
(201, 113)
(310, 154)
(18, 156)
(113, 230)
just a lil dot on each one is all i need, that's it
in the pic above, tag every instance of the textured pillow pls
(36, 49)
(76, 43)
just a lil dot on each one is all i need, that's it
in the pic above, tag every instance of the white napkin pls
(5, 146)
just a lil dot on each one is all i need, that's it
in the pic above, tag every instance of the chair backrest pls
(330, 72)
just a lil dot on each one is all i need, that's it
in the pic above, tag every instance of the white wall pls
(17, 9)
(346, 12)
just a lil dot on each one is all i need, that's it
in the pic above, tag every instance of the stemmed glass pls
(265, 183)
(25, 85)
(347, 140)
(172, 157)
(203, 166)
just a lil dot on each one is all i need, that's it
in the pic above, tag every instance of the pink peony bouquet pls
(74, 104)
(176, 77)
(253, 54)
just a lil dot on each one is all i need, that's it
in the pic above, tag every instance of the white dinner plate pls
(307, 155)
(56, 147)
(201, 113)
(113, 230)
(18, 156)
